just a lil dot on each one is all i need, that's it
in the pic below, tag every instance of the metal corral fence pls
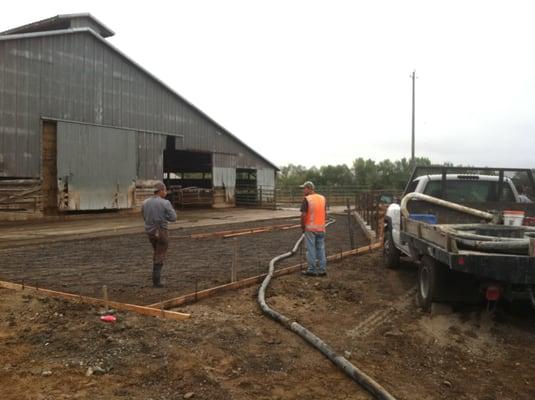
(256, 197)
(371, 208)
(369, 204)
(267, 197)
(336, 195)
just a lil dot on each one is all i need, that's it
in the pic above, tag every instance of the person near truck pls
(313, 217)
(522, 197)
(157, 212)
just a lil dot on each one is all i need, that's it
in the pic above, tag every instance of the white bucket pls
(513, 218)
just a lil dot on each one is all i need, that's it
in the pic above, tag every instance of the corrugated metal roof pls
(64, 21)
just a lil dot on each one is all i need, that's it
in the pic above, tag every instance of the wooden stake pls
(351, 239)
(105, 293)
(234, 265)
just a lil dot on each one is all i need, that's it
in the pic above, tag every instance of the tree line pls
(363, 174)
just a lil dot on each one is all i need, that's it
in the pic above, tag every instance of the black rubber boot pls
(156, 275)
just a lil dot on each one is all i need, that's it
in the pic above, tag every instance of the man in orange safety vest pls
(313, 217)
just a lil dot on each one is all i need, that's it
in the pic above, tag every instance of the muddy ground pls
(123, 263)
(229, 350)
(50, 349)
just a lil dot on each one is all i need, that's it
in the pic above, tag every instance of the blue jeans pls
(316, 251)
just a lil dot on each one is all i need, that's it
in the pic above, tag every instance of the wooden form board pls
(49, 167)
(430, 233)
(203, 294)
(238, 232)
(143, 310)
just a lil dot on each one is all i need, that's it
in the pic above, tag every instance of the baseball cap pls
(159, 186)
(308, 185)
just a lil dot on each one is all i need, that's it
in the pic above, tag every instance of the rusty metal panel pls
(96, 167)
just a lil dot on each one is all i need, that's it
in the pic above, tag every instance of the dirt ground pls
(228, 350)
(124, 263)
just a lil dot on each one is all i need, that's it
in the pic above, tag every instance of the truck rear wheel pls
(430, 282)
(391, 254)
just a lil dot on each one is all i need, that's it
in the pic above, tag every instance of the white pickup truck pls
(451, 224)
(457, 188)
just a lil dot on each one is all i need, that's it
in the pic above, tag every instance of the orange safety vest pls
(315, 215)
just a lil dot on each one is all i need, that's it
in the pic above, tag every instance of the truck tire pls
(431, 275)
(391, 254)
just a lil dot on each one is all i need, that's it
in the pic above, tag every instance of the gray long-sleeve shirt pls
(157, 212)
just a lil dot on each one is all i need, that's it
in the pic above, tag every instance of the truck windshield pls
(469, 191)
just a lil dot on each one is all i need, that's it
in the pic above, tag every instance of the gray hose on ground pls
(341, 362)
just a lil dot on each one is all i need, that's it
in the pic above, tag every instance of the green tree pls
(335, 175)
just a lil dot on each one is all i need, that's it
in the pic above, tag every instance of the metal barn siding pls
(76, 75)
(19, 110)
(96, 167)
(150, 149)
(265, 181)
(265, 178)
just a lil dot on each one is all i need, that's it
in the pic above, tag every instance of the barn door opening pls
(246, 187)
(187, 175)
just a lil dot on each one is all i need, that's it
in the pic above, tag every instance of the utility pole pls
(413, 76)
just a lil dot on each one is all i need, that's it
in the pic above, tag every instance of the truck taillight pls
(493, 293)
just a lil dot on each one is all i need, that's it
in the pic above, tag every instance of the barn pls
(83, 127)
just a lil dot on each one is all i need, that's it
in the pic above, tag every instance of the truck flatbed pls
(436, 242)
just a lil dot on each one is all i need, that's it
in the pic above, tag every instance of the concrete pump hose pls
(484, 238)
(443, 203)
(341, 362)
(488, 246)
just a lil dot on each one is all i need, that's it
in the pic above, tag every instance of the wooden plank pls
(237, 232)
(410, 226)
(532, 247)
(434, 235)
(143, 310)
(250, 232)
(49, 166)
(203, 294)
(16, 195)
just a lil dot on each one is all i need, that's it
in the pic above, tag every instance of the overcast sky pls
(324, 82)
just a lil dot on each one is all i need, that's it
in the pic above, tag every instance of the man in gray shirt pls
(157, 212)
